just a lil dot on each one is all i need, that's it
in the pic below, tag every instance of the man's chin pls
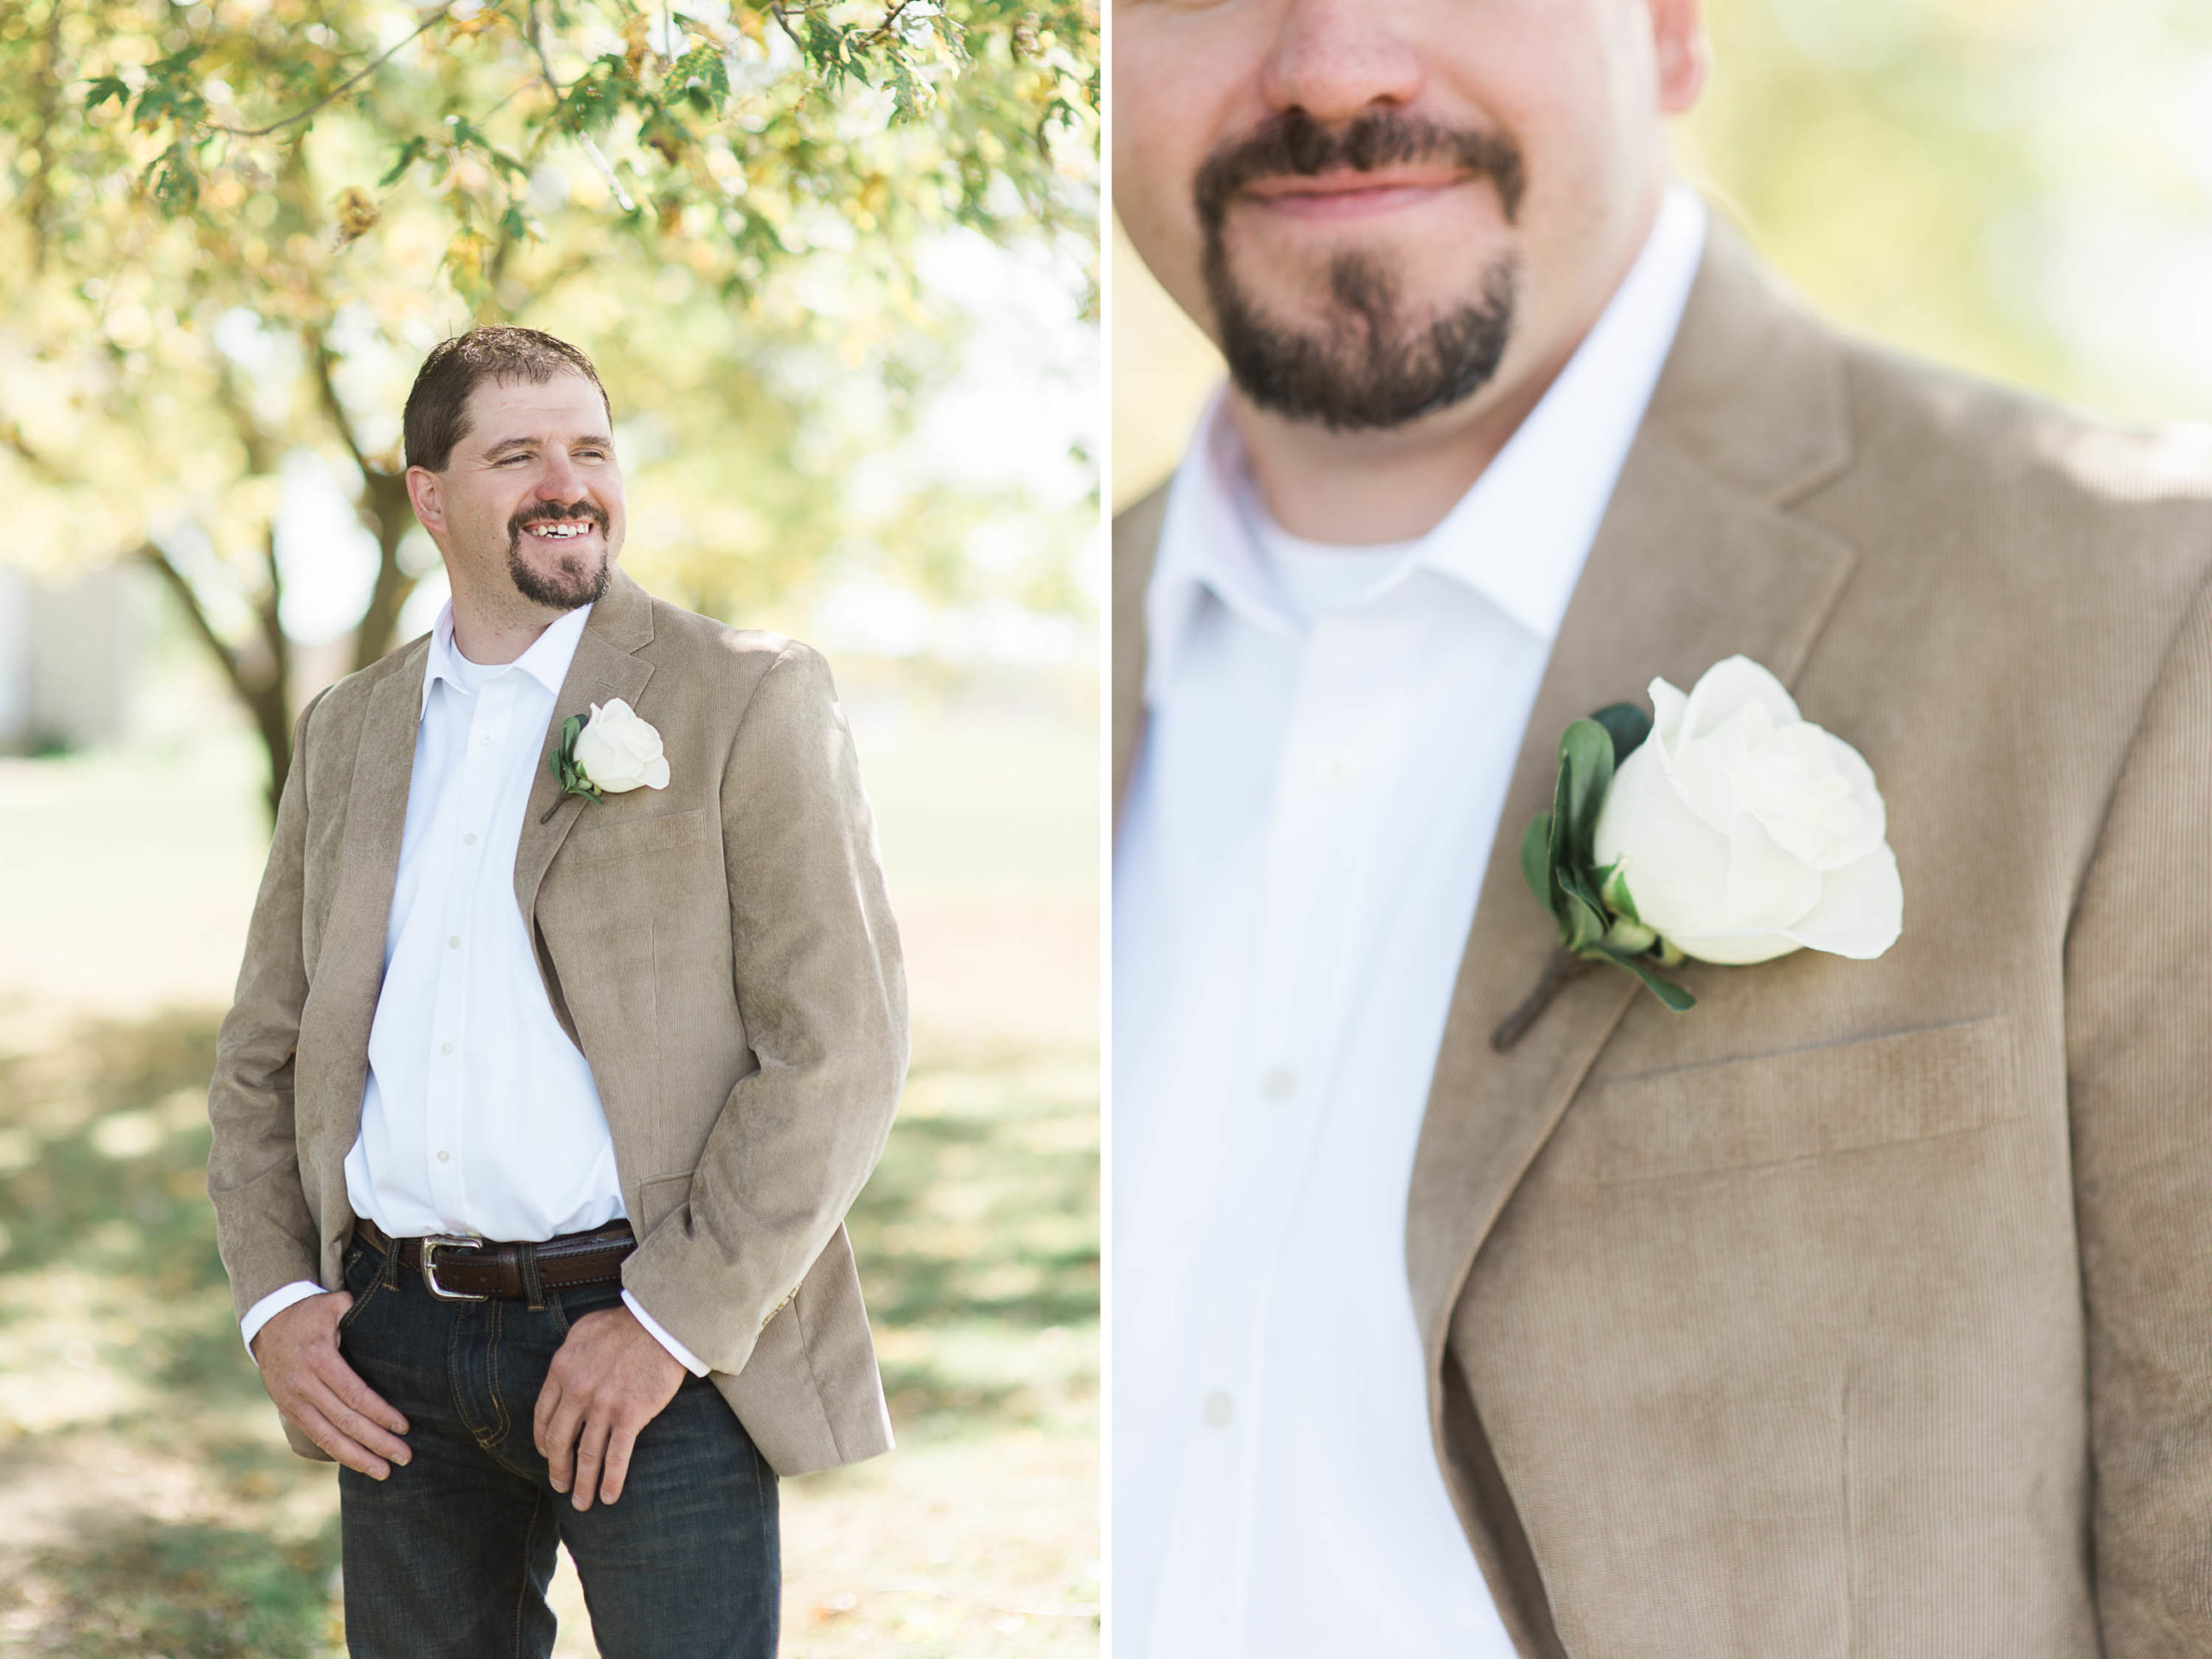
(559, 577)
(1367, 360)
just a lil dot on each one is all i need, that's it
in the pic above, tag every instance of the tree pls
(230, 230)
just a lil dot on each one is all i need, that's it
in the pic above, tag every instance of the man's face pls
(530, 499)
(1379, 208)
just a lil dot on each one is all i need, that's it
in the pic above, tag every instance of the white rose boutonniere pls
(611, 754)
(1729, 830)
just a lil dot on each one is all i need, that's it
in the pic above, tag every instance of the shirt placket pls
(492, 713)
(1341, 747)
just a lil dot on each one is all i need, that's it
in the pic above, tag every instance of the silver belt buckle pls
(431, 1246)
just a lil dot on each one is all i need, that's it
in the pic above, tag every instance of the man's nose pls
(561, 481)
(1337, 58)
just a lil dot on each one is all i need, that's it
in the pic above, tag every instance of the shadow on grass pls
(978, 1239)
(189, 1592)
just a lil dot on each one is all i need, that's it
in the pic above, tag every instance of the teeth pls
(562, 531)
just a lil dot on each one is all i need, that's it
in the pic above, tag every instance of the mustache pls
(1294, 144)
(551, 512)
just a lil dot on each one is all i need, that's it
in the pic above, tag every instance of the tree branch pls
(322, 357)
(341, 89)
(890, 17)
(225, 654)
(622, 197)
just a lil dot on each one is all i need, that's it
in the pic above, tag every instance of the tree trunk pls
(385, 508)
(262, 681)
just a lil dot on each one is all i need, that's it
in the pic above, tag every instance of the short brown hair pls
(437, 409)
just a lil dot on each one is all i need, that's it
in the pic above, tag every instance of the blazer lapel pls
(603, 669)
(1699, 556)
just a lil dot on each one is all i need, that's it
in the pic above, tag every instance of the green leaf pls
(1586, 771)
(1583, 925)
(1627, 725)
(105, 87)
(1677, 999)
(175, 185)
(703, 74)
(409, 153)
(1536, 859)
(1612, 887)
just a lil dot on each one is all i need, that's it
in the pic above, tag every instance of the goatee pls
(1367, 367)
(575, 579)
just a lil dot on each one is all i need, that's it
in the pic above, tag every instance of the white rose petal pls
(618, 751)
(1744, 832)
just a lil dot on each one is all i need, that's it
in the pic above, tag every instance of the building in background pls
(66, 651)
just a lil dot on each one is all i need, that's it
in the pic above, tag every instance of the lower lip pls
(1370, 203)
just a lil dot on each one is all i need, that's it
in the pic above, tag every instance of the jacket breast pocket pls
(628, 837)
(1780, 1109)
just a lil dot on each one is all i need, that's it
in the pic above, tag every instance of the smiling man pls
(539, 1110)
(1864, 1307)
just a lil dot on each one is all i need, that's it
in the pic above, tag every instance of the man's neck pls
(1366, 487)
(1396, 485)
(491, 634)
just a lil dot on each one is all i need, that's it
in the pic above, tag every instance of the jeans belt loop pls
(533, 1287)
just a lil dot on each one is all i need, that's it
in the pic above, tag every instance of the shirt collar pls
(1519, 537)
(546, 661)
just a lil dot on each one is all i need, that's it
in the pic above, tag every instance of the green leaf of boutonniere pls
(1595, 915)
(564, 767)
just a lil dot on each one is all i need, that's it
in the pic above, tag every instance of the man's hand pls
(314, 1386)
(609, 1380)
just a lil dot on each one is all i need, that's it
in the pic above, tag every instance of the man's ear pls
(1683, 53)
(426, 490)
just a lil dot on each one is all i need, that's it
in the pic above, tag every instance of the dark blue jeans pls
(451, 1557)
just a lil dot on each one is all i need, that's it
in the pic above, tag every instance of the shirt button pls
(1219, 1409)
(1280, 1083)
(486, 738)
(453, 943)
(444, 1157)
(468, 840)
(445, 1048)
(1338, 766)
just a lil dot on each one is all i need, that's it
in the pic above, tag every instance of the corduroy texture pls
(722, 951)
(1866, 1309)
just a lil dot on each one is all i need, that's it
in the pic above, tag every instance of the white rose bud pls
(1744, 832)
(618, 752)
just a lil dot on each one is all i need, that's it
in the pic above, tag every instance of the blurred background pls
(2022, 187)
(837, 263)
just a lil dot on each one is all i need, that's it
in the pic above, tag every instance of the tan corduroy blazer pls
(1866, 1309)
(721, 950)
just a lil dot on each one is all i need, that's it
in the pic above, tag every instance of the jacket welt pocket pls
(1806, 1103)
(626, 837)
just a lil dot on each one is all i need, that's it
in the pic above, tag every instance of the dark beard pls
(1366, 368)
(570, 583)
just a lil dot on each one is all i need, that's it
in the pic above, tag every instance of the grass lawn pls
(148, 1503)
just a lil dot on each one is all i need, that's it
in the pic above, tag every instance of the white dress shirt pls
(1326, 760)
(480, 1115)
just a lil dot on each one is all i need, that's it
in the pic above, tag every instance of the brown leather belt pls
(457, 1268)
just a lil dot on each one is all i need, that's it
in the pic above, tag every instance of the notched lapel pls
(604, 667)
(602, 670)
(1699, 556)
